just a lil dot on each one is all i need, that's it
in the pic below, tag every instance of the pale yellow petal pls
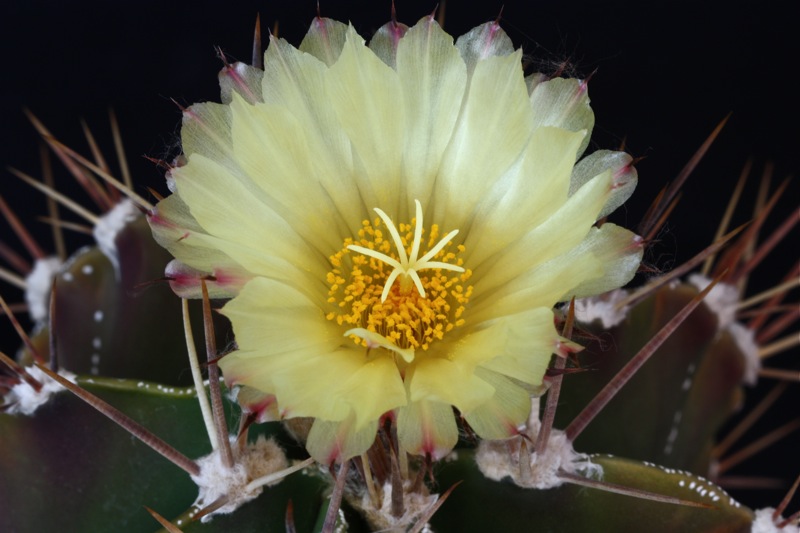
(542, 286)
(330, 442)
(514, 208)
(287, 348)
(518, 346)
(304, 381)
(496, 108)
(504, 413)
(386, 40)
(482, 42)
(250, 231)
(255, 262)
(324, 40)
(427, 428)
(258, 403)
(307, 386)
(433, 79)
(284, 340)
(242, 79)
(365, 94)
(563, 103)
(206, 130)
(619, 251)
(296, 81)
(533, 80)
(624, 176)
(373, 389)
(171, 224)
(271, 317)
(271, 149)
(559, 234)
(442, 380)
(222, 280)
(606, 259)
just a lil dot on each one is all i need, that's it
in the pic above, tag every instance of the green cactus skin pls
(671, 410)
(127, 326)
(70, 469)
(479, 505)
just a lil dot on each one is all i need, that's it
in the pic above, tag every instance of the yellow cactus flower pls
(395, 223)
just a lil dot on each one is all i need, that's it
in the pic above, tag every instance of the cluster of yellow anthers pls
(347, 318)
(412, 312)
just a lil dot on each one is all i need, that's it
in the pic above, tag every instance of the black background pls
(666, 74)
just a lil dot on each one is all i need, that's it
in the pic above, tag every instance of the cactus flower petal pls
(428, 428)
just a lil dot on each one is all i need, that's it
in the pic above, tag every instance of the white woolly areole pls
(602, 308)
(171, 182)
(25, 400)
(763, 523)
(38, 285)
(109, 226)
(381, 519)
(723, 300)
(258, 459)
(498, 459)
(745, 339)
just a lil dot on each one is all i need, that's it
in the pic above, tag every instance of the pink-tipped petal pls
(482, 42)
(324, 40)
(386, 40)
(427, 428)
(563, 103)
(241, 79)
(261, 404)
(504, 413)
(329, 442)
(623, 176)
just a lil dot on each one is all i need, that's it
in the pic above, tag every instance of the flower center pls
(392, 295)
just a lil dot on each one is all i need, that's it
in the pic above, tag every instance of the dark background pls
(666, 74)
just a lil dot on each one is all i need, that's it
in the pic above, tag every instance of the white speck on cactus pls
(697, 484)
(763, 523)
(497, 462)
(602, 308)
(25, 400)
(38, 285)
(258, 459)
(723, 300)
(109, 225)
